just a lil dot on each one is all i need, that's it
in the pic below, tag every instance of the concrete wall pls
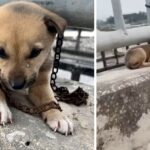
(123, 97)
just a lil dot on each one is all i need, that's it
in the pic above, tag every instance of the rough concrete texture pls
(30, 132)
(123, 109)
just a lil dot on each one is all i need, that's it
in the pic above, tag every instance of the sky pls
(104, 8)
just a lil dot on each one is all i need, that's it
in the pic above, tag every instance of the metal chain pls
(147, 6)
(35, 109)
(57, 56)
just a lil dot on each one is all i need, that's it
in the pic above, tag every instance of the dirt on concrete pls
(31, 133)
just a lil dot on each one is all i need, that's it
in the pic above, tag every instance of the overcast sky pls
(104, 8)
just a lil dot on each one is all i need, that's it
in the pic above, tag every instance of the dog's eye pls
(3, 54)
(35, 52)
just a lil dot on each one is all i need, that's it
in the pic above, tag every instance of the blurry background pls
(134, 15)
(77, 57)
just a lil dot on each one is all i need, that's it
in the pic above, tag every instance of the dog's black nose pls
(17, 83)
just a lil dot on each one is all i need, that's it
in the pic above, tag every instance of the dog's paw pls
(5, 113)
(58, 122)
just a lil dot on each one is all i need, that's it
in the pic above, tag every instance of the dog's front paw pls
(5, 113)
(58, 122)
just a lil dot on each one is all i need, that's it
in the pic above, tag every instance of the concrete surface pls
(123, 101)
(31, 133)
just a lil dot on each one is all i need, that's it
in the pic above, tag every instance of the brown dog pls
(138, 57)
(27, 32)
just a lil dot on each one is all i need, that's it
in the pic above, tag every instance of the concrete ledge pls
(123, 98)
(30, 132)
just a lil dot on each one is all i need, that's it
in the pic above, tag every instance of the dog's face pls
(26, 34)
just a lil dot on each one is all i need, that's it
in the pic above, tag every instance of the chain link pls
(34, 110)
(56, 61)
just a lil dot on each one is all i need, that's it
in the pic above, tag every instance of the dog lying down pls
(138, 57)
(27, 33)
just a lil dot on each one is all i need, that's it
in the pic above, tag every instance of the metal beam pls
(118, 16)
(115, 39)
(148, 11)
(78, 13)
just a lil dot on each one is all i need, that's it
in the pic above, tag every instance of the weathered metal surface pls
(77, 13)
(115, 39)
(122, 37)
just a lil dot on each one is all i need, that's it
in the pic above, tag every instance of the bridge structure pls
(111, 41)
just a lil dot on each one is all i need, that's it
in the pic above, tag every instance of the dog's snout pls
(17, 82)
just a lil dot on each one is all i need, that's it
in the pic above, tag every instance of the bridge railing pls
(121, 37)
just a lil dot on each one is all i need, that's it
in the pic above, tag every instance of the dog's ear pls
(54, 23)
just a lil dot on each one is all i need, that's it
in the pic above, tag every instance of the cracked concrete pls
(30, 132)
(123, 99)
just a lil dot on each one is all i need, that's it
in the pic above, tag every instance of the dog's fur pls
(138, 57)
(26, 26)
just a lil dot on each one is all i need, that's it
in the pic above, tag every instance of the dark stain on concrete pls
(125, 107)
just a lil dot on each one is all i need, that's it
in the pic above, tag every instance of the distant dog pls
(138, 57)
(27, 32)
